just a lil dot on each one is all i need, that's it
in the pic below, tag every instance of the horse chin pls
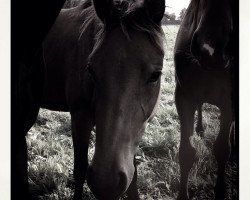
(110, 195)
(105, 197)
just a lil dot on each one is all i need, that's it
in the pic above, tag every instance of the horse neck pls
(192, 17)
(89, 28)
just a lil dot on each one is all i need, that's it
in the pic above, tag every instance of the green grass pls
(51, 152)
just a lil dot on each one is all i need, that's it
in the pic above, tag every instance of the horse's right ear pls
(103, 9)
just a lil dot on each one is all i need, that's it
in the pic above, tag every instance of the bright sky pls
(176, 6)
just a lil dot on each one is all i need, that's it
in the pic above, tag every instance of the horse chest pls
(213, 88)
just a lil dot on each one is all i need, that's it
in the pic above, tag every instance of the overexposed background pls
(5, 99)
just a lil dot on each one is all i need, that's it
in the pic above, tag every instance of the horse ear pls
(103, 9)
(156, 9)
(108, 10)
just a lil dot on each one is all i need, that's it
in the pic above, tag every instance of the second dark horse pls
(204, 62)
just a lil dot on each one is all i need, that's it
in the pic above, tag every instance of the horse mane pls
(194, 3)
(193, 11)
(131, 18)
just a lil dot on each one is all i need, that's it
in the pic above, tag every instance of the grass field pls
(51, 152)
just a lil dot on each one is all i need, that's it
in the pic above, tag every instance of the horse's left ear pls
(156, 9)
(104, 9)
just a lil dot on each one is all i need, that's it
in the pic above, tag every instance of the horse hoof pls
(219, 193)
(77, 197)
(219, 196)
(132, 198)
(200, 133)
(200, 130)
(182, 197)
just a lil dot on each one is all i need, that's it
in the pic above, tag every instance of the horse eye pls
(154, 76)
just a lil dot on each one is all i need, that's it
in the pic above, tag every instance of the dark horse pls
(30, 22)
(204, 62)
(103, 62)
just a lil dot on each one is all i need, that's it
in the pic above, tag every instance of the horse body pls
(203, 62)
(30, 22)
(104, 68)
(65, 56)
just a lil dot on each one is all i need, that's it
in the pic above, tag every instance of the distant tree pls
(172, 16)
(167, 14)
(182, 14)
(170, 19)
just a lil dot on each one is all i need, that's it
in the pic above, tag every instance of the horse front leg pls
(132, 192)
(19, 170)
(186, 109)
(81, 129)
(21, 124)
(222, 149)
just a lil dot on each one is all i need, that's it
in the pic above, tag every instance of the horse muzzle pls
(107, 185)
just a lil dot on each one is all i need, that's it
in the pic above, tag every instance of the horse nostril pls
(122, 185)
(104, 186)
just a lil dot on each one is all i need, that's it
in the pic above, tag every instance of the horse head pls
(125, 66)
(210, 43)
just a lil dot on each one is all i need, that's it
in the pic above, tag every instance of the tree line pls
(169, 18)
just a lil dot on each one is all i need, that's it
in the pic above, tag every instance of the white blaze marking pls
(210, 49)
(228, 62)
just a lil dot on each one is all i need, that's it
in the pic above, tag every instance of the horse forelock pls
(136, 18)
(132, 17)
